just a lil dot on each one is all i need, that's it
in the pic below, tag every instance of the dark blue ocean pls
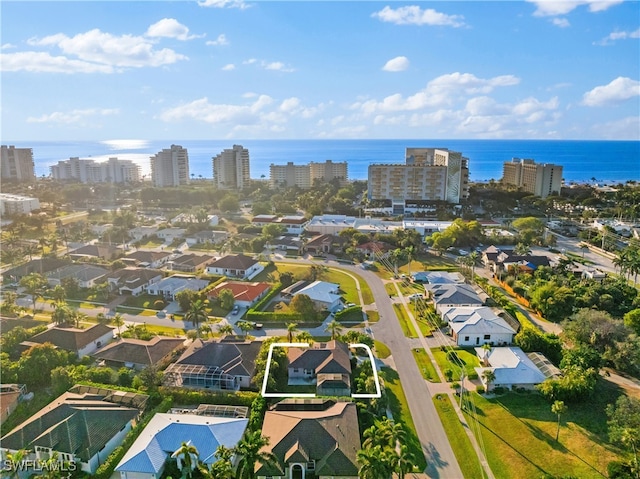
(606, 161)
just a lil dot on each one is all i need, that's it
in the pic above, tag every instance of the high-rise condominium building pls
(17, 163)
(170, 167)
(428, 174)
(231, 168)
(540, 179)
(90, 171)
(305, 176)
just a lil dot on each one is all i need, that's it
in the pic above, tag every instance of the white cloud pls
(107, 49)
(622, 129)
(7, 46)
(552, 8)
(74, 116)
(250, 61)
(290, 104)
(275, 66)
(202, 110)
(224, 4)
(414, 15)
(42, 62)
(397, 64)
(560, 22)
(221, 40)
(618, 35)
(620, 89)
(228, 67)
(170, 28)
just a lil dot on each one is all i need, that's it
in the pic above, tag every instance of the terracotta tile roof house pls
(41, 266)
(227, 363)
(83, 425)
(137, 353)
(86, 274)
(320, 244)
(237, 266)
(151, 259)
(245, 294)
(375, 247)
(102, 251)
(133, 281)
(327, 365)
(80, 341)
(312, 441)
(190, 263)
(164, 435)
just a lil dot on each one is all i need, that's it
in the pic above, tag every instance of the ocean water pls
(606, 161)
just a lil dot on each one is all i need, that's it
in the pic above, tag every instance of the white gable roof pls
(511, 366)
(321, 291)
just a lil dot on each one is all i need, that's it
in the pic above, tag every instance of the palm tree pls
(558, 408)
(335, 328)
(61, 314)
(374, 463)
(473, 258)
(250, 450)
(16, 459)
(489, 376)
(196, 314)
(223, 467)
(76, 317)
(34, 284)
(118, 321)
(404, 462)
(58, 294)
(291, 329)
(304, 337)
(486, 352)
(187, 457)
(245, 327)
(225, 329)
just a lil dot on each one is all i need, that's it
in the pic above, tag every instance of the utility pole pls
(461, 387)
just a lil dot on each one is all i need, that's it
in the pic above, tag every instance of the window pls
(295, 370)
(466, 338)
(311, 466)
(487, 336)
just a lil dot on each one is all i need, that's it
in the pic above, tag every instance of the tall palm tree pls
(473, 258)
(118, 321)
(34, 284)
(250, 451)
(223, 467)
(58, 294)
(335, 328)
(196, 314)
(245, 327)
(61, 314)
(76, 317)
(292, 328)
(404, 462)
(187, 457)
(374, 463)
(16, 459)
(489, 376)
(304, 337)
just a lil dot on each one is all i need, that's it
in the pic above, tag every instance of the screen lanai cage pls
(199, 376)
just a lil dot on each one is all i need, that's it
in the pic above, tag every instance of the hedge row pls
(186, 397)
(267, 316)
(210, 286)
(347, 311)
(106, 469)
(267, 299)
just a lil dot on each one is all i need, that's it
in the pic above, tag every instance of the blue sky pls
(219, 69)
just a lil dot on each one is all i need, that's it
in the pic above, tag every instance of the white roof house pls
(166, 432)
(472, 326)
(511, 366)
(324, 294)
(450, 295)
(169, 287)
(438, 277)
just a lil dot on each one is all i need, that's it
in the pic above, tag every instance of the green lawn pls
(382, 350)
(144, 301)
(518, 432)
(407, 328)
(467, 356)
(402, 415)
(460, 443)
(373, 316)
(425, 366)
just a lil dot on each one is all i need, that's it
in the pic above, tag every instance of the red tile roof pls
(241, 291)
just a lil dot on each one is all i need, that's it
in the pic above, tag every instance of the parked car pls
(235, 310)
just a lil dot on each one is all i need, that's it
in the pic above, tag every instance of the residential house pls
(103, 251)
(207, 236)
(80, 341)
(133, 281)
(137, 353)
(222, 364)
(503, 260)
(10, 396)
(513, 368)
(594, 274)
(142, 232)
(438, 277)
(87, 275)
(377, 249)
(263, 220)
(147, 259)
(169, 235)
(490, 255)
(42, 266)
(165, 433)
(323, 294)
(319, 244)
(327, 365)
(294, 225)
(190, 263)
(287, 243)
(311, 438)
(169, 287)
(472, 326)
(235, 266)
(211, 220)
(452, 295)
(83, 426)
(245, 294)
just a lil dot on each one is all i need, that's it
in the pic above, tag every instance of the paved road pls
(441, 462)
